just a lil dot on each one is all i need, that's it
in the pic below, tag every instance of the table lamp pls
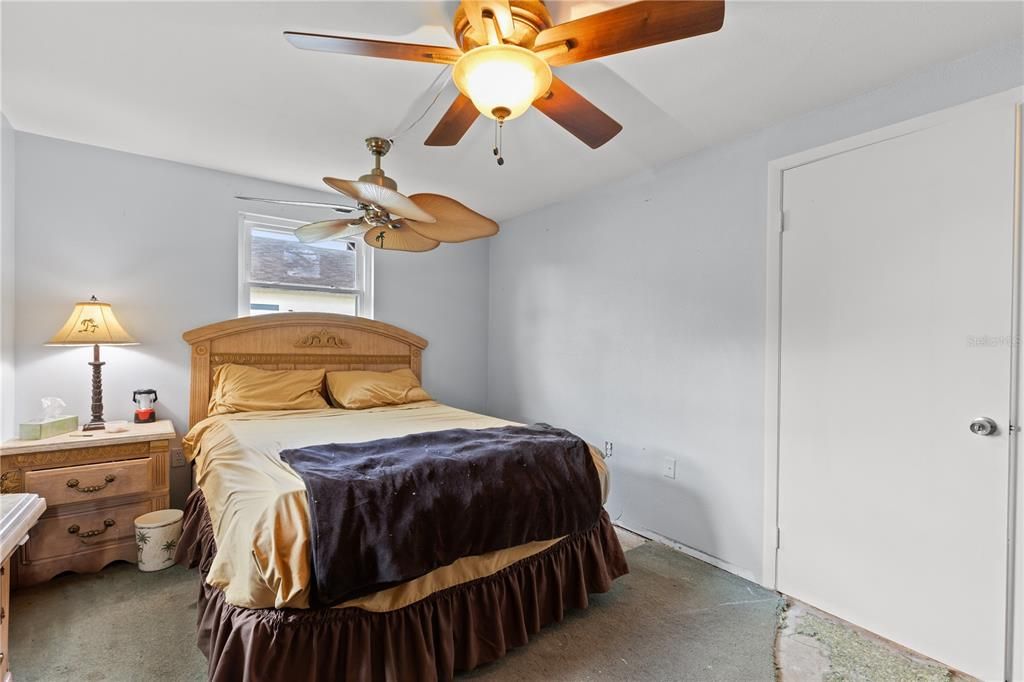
(92, 323)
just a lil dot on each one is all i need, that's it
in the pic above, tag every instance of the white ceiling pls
(214, 84)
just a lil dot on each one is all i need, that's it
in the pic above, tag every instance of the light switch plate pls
(668, 469)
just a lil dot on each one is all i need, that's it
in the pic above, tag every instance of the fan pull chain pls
(499, 124)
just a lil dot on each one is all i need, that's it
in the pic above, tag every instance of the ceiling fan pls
(507, 48)
(390, 220)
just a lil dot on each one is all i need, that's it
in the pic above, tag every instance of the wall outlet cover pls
(177, 457)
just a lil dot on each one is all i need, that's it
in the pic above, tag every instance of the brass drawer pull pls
(73, 483)
(75, 528)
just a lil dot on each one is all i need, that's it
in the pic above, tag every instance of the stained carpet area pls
(816, 647)
(671, 618)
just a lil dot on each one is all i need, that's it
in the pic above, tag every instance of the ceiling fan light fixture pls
(502, 80)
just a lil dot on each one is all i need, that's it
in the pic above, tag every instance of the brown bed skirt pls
(450, 631)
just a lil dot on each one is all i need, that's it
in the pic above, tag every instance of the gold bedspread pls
(258, 506)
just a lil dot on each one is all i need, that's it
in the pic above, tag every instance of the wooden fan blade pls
(632, 26)
(365, 47)
(399, 238)
(454, 124)
(382, 197)
(330, 229)
(575, 113)
(499, 9)
(456, 222)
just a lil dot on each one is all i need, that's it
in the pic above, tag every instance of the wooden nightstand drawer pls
(90, 482)
(67, 534)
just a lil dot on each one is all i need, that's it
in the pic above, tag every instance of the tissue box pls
(37, 429)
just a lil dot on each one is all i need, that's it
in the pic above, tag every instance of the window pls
(278, 273)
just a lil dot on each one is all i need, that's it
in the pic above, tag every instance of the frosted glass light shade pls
(497, 77)
(92, 323)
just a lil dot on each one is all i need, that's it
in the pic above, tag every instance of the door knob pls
(983, 426)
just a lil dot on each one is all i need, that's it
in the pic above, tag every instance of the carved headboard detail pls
(322, 338)
(296, 341)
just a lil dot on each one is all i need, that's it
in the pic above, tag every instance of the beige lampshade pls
(92, 322)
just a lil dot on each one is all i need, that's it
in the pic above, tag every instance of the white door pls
(895, 335)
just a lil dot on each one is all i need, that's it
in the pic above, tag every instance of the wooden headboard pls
(296, 341)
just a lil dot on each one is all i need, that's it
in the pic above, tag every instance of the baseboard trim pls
(691, 551)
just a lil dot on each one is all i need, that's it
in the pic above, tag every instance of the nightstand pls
(95, 484)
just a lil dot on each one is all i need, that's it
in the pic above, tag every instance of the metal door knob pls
(983, 426)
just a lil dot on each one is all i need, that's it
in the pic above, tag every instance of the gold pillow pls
(238, 388)
(361, 389)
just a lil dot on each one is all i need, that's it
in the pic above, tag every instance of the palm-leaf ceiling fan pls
(507, 48)
(390, 220)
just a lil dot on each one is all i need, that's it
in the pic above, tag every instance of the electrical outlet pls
(608, 445)
(177, 457)
(668, 469)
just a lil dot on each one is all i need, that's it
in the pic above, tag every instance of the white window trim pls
(247, 221)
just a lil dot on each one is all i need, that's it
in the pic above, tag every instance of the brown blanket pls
(391, 510)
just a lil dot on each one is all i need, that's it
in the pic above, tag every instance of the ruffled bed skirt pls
(450, 631)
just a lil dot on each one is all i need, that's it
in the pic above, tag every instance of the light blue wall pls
(159, 240)
(635, 313)
(7, 259)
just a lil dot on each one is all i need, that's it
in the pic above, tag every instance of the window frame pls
(248, 221)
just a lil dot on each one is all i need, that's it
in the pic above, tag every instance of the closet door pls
(895, 338)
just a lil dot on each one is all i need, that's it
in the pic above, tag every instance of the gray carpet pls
(671, 618)
(119, 624)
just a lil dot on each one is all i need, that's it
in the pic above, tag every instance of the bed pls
(247, 528)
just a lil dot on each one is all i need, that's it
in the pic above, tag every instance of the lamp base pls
(96, 423)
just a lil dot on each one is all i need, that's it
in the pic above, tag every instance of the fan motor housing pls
(529, 17)
(377, 177)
